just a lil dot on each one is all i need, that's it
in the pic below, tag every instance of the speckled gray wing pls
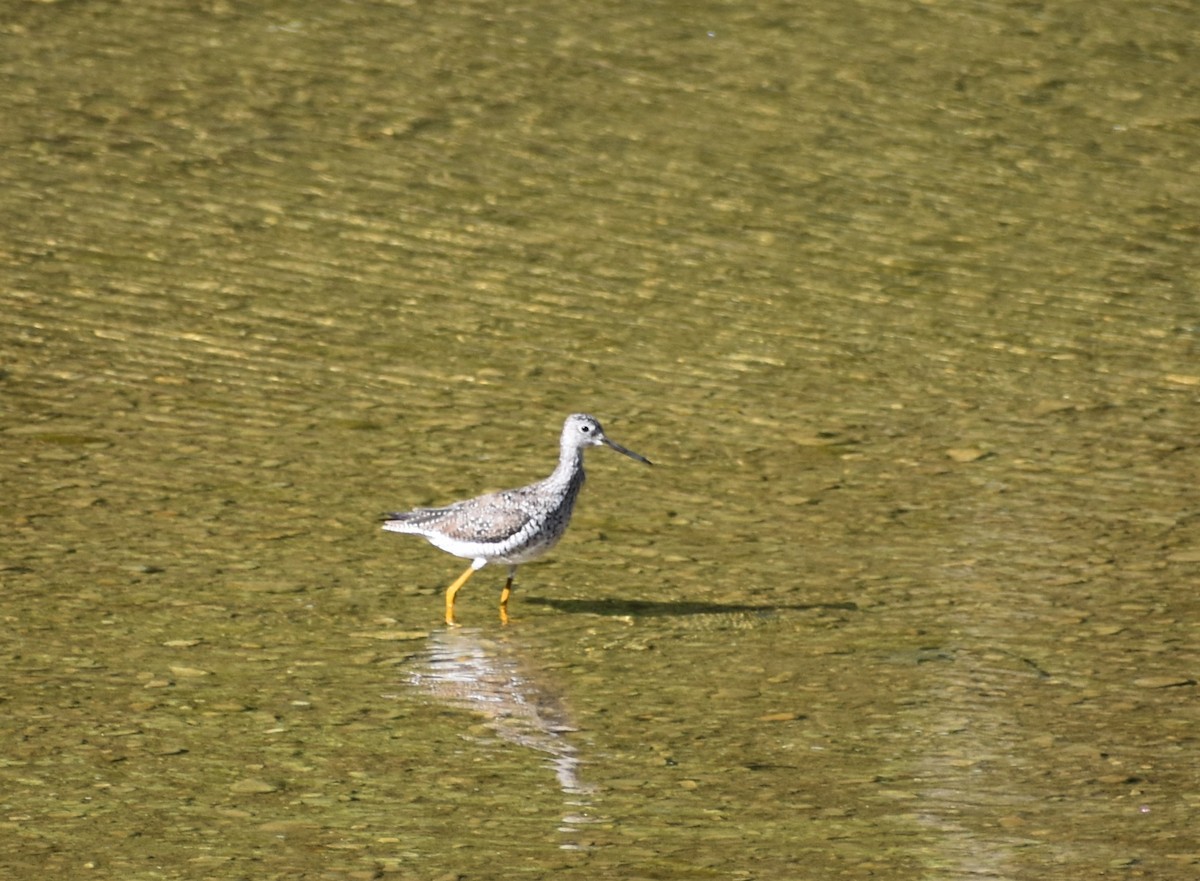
(488, 518)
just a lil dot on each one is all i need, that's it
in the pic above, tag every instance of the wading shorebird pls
(513, 526)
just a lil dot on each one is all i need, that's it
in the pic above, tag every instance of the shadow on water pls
(618, 608)
(490, 676)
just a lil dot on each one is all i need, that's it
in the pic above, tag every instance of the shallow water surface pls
(901, 301)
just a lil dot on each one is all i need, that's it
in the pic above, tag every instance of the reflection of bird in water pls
(485, 676)
(513, 526)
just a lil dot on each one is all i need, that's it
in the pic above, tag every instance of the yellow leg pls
(452, 590)
(504, 595)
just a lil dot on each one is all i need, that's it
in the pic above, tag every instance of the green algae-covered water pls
(900, 299)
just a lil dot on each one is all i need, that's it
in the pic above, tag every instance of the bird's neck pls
(569, 469)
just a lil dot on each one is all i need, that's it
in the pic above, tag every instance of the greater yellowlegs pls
(513, 526)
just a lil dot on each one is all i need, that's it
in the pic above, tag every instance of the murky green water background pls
(901, 298)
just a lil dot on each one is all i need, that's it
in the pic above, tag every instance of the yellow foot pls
(504, 595)
(452, 590)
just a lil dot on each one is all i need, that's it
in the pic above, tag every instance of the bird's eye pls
(585, 428)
